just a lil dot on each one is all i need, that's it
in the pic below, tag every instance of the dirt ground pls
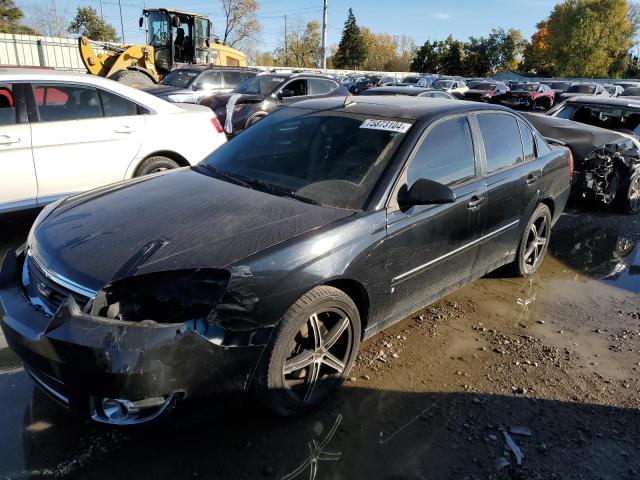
(507, 378)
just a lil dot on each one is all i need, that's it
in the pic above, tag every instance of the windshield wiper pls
(226, 176)
(295, 196)
(260, 184)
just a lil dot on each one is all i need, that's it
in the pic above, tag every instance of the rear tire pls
(310, 353)
(155, 164)
(533, 242)
(132, 78)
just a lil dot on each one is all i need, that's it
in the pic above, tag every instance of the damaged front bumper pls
(115, 371)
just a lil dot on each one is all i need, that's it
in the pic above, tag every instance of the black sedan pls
(489, 92)
(254, 99)
(408, 91)
(262, 268)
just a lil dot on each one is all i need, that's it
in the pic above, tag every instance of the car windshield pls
(524, 87)
(611, 117)
(582, 89)
(631, 92)
(260, 85)
(559, 85)
(483, 86)
(327, 158)
(182, 78)
(411, 80)
(442, 84)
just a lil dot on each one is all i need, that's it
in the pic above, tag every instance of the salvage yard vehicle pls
(613, 90)
(191, 84)
(603, 134)
(631, 92)
(412, 92)
(64, 133)
(529, 95)
(316, 228)
(255, 98)
(457, 88)
(582, 89)
(559, 86)
(489, 92)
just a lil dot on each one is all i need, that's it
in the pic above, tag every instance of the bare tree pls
(47, 21)
(240, 21)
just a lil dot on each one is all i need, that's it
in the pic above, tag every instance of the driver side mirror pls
(286, 93)
(425, 192)
(141, 22)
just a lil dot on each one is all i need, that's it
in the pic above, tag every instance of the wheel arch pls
(176, 157)
(358, 293)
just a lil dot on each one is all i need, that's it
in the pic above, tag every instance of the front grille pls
(48, 290)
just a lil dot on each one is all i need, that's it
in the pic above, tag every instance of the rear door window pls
(319, 86)
(502, 143)
(115, 106)
(66, 102)
(209, 79)
(7, 105)
(445, 155)
(527, 142)
(232, 79)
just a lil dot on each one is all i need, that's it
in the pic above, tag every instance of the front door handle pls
(125, 129)
(475, 202)
(8, 140)
(531, 178)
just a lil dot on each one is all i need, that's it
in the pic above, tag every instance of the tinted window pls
(298, 87)
(7, 105)
(232, 79)
(501, 139)
(445, 155)
(319, 86)
(66, 102)
(209, 79)
(115, 106)
(180, 78)
(328, 158)
(260, 84)
(527, 142)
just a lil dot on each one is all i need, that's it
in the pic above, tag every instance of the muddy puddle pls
(551, 361)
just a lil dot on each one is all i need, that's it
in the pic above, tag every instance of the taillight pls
(570, 163)
(216, 124)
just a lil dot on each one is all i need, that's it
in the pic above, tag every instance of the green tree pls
(536, 52)
(352, 49)
(11, 19)
(587, 38)
(304, 47)
(88, 23)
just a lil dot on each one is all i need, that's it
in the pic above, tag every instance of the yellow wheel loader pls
(174, 39)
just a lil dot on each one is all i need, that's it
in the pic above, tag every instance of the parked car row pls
(261, 268)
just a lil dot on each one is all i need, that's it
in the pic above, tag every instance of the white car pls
(63, 133)
(457, 88)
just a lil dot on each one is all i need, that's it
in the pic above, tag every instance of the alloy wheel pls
(537, 238)
(634, 194)
(319, 354)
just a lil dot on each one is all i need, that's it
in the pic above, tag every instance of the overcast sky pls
(420, 19)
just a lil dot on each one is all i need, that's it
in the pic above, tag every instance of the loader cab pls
(178, 38)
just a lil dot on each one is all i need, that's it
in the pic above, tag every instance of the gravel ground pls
(507, 378)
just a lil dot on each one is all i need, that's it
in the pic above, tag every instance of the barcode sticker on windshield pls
(388, 125)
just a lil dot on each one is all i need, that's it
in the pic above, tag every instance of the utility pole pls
(101, 11)
(286, 43)
(324, 35)
(121, 22)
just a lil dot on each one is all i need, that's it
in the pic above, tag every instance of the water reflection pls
(599, 253)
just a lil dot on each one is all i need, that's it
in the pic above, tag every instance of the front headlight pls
(176, 296)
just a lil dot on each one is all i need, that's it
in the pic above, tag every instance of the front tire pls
(631, 199)
(533, 242)
(132, 78)
(311, 352)
(155, 164)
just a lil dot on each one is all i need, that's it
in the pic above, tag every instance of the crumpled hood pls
(178, 220)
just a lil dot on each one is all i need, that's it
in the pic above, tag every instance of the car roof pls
(295, 74)
(43, 75)
(217, 67)
(609, 101)
(413, 91)
(400, 106)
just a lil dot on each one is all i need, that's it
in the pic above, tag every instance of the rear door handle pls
(8, 140)
(125, 129)
(531, 178)
(475, 202)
